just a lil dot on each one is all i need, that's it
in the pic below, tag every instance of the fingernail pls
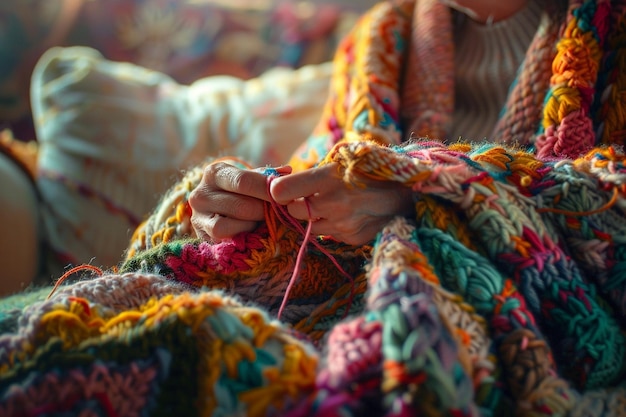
(285, 169)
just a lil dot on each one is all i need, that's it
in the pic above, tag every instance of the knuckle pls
(236, 179)
(198, 197)
(200, 227)
(223, 228)
(219, 174)
(242, 180)
(212, 170)
(195, 223)
(240, 209)
(194, 197)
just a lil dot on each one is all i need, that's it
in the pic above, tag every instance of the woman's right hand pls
(229, 200)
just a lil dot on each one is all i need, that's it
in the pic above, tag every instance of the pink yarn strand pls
(297, 266)
(289, 220)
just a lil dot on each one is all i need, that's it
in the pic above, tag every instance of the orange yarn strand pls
(71, 272)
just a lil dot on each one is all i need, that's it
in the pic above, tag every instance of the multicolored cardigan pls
(506, 295)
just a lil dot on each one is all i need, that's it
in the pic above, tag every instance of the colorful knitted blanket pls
(505, 295)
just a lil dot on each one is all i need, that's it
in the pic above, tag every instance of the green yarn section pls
(618, 272)
(250, 376)
(11, 307)
(461, 270)
(181, 383)
(151, 260)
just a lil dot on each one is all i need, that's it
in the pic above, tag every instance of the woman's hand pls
(350, 214)
(228, 200)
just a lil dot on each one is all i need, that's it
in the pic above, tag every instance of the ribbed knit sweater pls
(487, 58)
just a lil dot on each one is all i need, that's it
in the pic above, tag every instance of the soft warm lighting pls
(237, 4)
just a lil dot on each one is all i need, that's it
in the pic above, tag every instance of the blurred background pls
(186, 39)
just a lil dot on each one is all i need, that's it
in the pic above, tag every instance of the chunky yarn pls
(504, 295)
(479, 306)
(96, 365)
(567, 96)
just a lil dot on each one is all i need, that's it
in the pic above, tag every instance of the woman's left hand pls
(350, 214)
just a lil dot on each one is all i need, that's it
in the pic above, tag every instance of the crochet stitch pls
(505, 295)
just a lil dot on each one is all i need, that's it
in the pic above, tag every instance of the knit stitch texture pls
(505, 295)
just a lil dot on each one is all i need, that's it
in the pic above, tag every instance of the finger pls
(219, 228)
(277, 171)
(230, 178)
(284, 169)
(301, 209)
(227, 204)
(301, 184)
(326, 205)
